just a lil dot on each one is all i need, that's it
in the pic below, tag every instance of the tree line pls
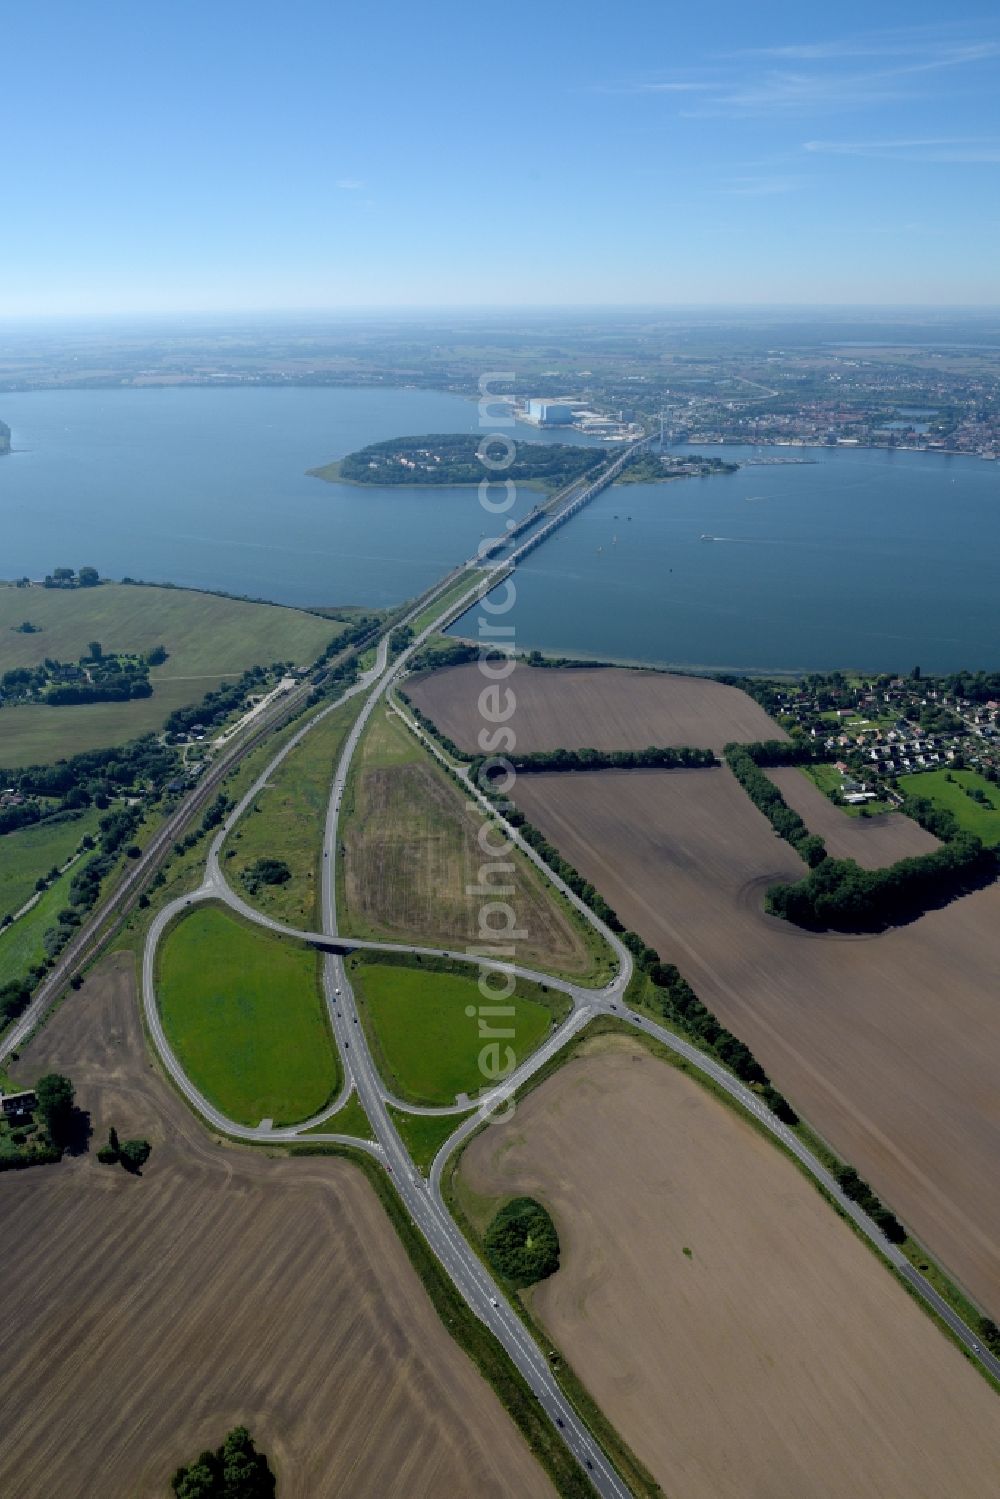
(837, 894)
(744, 763)
(680, 1006)
(676, 1000)
(660, 757)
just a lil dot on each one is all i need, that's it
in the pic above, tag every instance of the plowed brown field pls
(872, 841)
(889, 1045)
(145, 1317)
(738, 1334)
(595, 708)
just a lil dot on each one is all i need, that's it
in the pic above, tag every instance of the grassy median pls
(244, 1014)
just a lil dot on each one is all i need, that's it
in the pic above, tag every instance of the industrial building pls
(550, 413)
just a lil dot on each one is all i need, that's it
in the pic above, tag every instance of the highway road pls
(424, 1199)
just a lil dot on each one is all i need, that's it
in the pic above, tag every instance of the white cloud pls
(825, 76)
(931, 150)
(349, 184)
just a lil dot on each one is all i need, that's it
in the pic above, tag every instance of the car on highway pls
(494, 1301)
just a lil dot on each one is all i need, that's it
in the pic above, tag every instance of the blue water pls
(878, 560)
(208, 488)
(868, 559)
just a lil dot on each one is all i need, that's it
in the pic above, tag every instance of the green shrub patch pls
(522, 1243)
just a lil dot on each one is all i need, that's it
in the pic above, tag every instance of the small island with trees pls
(452, 459)
(4, 439)
(654, 468)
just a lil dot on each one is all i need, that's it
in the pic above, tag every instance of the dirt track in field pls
(779, 1358)
(595, 708)
(888, 1045)
(872, 841)
(145, 1317)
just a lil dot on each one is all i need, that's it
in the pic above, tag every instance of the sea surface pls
(871, 559)
(208, 487)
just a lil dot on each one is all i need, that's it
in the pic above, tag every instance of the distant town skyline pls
(234, 160)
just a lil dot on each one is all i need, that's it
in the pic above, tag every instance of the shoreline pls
(583, 658)
(826, 447)
(327, 477)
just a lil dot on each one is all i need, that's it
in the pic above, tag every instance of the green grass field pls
(21, 944)
(33, 851)
(971, 816)
(350, 1120)
(209, 639)
(244, 1013)
(424, 1134)
(426, 1044)
(286, 822)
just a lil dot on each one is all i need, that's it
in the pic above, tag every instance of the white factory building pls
(550, 413)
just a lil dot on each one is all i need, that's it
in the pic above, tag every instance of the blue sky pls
(248, 156)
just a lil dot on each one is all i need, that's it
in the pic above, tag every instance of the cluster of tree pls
(564, 663)
(661, 757)
(443, 458)
(649, 467)
(990, 1334)
(115, 832)
(131, 1155)
(768, 799)
(26, 628)
(936, 820)
(263, 872)
(455, 653)
(838, 894)
(19, 816)
(236, 1470)
(38, 1155)
(521, 1242)
(14, 996)
(56, 1099)
(212, 817)
(363, 626)
(400, 638)
(978, 687)
(57, 1116)
(218, 705)
(65, 577)
(773, 753)
(94, 776)
(94, 679)
(859, 1191)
